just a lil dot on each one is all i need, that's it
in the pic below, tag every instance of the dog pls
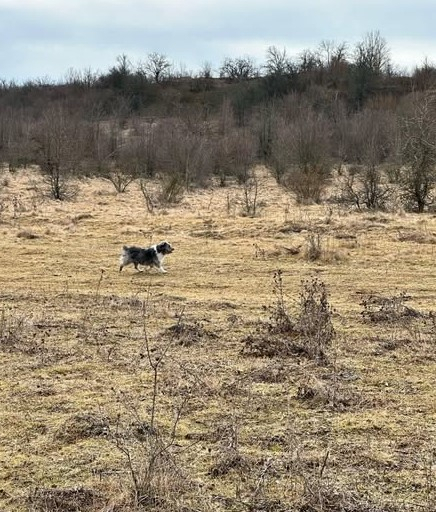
(147, 257)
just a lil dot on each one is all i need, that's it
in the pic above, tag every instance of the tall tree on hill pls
(371, 62)
(238, 69)
(157, 66)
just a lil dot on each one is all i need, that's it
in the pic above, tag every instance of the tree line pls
(332, 109)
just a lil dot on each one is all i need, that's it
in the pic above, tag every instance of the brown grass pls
(280, 433)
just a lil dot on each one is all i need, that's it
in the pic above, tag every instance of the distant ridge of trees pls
(356, 74)
(332, 107)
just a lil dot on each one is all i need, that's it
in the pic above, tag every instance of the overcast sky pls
(46, 38)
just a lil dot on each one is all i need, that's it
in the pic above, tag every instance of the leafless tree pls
(277, 61)
(59, 152)
(251, 189)
(301, 155)
(419, 151)
(370, 140)
(372, 53)
(238, 69)
(184, 158)
(234, 154)
(15, 137)
(206, 70)
(309, 61)
(122, 155)
(331, 53)
(371, 64)
(281, 149)
(157, 66)
(424, 76)
(85, 79)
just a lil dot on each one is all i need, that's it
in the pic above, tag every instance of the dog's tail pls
(124, 257)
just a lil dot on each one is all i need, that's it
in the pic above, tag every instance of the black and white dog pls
(147, 257)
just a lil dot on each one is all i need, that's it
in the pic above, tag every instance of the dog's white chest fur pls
(159, 255)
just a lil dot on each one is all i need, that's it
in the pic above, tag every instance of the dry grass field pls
(225, 428)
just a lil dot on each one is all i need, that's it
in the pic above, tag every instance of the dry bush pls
(321, 393)
(156, 479)
(28, 235)
(120, 155)
(307, 330)
(82, 426)
(314, 321)
(229, 457)
(391, 309)
(251, 187)
(317, 249)
(418, 151)
(64, 500)
(308, 183)
(418, 237)
(172, 189)
(314, 246)
(368, 139)
(320, 494)
(13, 328)
(189, 333)
(366, 187)
(234, 154)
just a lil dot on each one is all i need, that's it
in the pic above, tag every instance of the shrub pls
(308, 330)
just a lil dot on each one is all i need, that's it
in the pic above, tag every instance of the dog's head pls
(164, 248)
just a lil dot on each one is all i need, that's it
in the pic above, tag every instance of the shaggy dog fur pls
(147, 257)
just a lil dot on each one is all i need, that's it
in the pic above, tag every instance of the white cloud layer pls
(41, 38)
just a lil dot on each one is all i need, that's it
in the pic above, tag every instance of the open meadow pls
(194, 390)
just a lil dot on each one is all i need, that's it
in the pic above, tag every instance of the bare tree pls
(59, 153)
(280, 73)
(372, 53)
(15, 137)
(309, 61)
(370, 140)
(234, 154)
(334, 58)
(419, 152)
(119, 74)
(184, 158)
(157, 66)
(281, 149)
(124, 155)
(329, 52)
(206, 70)
(301, 155)
(424, 76)
(238, 69)
(277, 61)
(371, 62)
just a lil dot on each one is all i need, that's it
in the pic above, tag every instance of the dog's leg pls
(121, 267)
(162, 270)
